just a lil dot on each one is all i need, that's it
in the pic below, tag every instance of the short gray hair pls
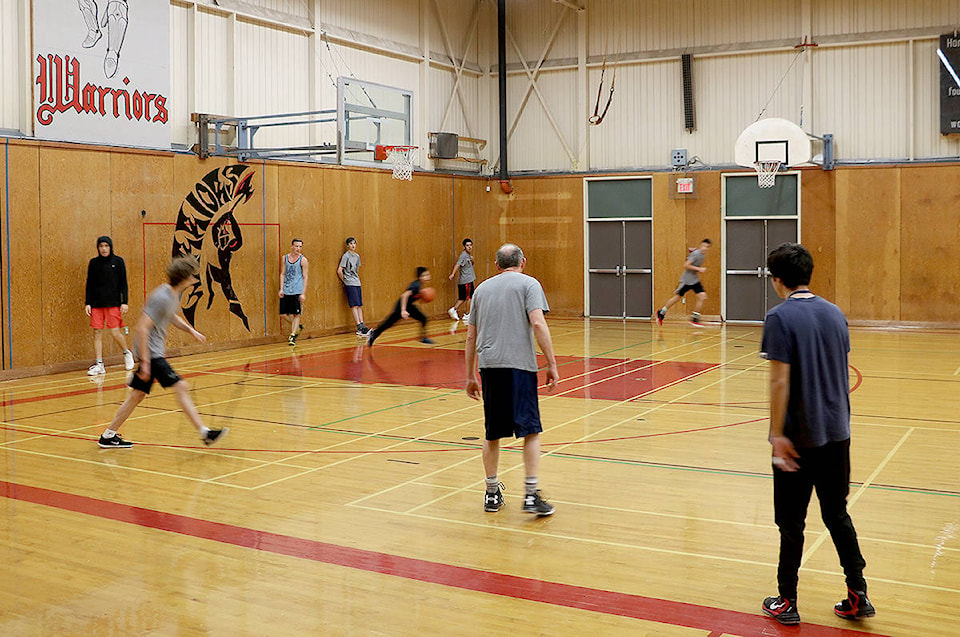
(509, 256)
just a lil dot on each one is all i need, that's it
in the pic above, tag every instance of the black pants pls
(388, 322)
(826, 469)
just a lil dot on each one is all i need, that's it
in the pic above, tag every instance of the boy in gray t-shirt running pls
(150, 335)
(690, 282)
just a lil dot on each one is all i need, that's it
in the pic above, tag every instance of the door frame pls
(723, 229)
(586, 234)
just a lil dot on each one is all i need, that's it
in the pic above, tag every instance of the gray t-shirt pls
(466, 274)
(690, 277)
(499, 312)
(161, 306)
(350, 262)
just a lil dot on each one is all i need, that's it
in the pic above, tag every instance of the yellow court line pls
(696, 518)
(600, 507)
(856, 496)
(570, 538)
(135, 469)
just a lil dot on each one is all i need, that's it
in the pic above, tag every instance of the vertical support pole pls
(583, 105)
(502, 82)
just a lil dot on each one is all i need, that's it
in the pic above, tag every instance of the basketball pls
(427, 294)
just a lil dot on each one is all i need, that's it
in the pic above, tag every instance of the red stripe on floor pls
(715, 620)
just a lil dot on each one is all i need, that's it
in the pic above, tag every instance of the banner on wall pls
(101, 71)
(949, 56)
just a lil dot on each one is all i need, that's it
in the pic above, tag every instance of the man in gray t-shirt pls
(466, 277)
(690, 282)
(507, 319)
(150, 335)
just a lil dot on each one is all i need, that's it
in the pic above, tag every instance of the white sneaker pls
(453, 314)
(96, 368)
(128, 359)
(466, 317)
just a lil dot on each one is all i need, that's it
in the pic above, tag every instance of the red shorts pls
(101, 317)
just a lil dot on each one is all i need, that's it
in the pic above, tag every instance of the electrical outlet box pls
(678, 157)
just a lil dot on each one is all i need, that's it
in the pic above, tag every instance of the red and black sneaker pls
(855, 606)
(660, 315)
(782, 609)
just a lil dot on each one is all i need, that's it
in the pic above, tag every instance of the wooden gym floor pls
(347, 498)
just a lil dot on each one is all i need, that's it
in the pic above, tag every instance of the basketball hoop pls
(402, 159)
(766, 173)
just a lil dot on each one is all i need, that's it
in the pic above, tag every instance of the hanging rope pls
(597, 116)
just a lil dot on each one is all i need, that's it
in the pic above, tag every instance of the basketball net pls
(402, 159)
(767, 173)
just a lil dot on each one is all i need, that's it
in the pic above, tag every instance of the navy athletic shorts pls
(510, 406)
(354, 295)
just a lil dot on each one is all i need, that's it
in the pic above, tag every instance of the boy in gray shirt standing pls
(150, 337)
(348, 271)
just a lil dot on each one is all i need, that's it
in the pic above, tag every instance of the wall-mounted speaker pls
(689, 114)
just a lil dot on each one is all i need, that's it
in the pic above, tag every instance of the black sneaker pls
(660, 316)
(534, 503)
(782, 609)
(292, 339)
(428, 341)
(493, 501)
(114, 443)
(695, 319)
(855, 606)
(214, 435)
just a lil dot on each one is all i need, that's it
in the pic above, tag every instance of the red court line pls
(715, 620)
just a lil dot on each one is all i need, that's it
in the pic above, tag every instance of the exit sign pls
(684, 185)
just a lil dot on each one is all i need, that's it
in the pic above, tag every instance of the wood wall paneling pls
(870, 235)
(669, 240)
(75, 188)
(818, 227)
(930, 234)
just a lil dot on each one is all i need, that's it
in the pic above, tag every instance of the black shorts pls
(510, 406)
(354, 295)
(465, 291)
(160, 371)
(290, 304)
(696, 288)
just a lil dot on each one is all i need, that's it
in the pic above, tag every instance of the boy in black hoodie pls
(106, 302)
